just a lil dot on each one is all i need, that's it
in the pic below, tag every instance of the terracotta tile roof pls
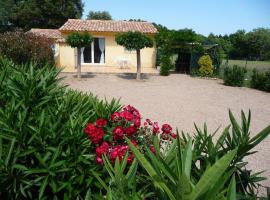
(107, 26)
(49, 33)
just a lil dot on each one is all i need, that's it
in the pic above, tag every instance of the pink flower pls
(115, 116)
(101, 122)
(126, 115)
(118, 133)
(130, 158)
(118, 151)
(137, 122)
(99, 161)
(174, 136)
(102, 149)
(149, 122)
(134, 143)
(130, 130)
(152, 149)
(95, 134)
(155, 128)
(90, 128)
(166, 128)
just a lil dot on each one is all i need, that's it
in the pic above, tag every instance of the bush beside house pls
(25, 47)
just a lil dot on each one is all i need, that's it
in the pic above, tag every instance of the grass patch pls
(261, 66)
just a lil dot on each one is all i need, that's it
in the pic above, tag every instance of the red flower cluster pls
(108, 135)
(94, 133)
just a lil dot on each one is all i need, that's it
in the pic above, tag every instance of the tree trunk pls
(138, 51)
(79, 63)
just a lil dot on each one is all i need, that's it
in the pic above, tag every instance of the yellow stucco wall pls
(113, 53)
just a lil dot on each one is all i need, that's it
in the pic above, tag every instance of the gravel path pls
(182, 100)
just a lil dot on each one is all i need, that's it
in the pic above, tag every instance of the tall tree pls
(101, 15)
(28, 14)
(258, 41)
(135, 41)
(79, 40)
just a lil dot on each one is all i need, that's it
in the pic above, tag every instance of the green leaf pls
(100, 180)
(212, 174)
(10, 151)
(43, 186)
(231, 194)
(158, 182)
(187, 158)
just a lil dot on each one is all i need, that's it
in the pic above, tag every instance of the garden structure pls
(189, 54)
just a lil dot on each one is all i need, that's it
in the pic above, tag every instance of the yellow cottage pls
(103, 55)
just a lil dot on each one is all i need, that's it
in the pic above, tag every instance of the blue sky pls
(203, 16)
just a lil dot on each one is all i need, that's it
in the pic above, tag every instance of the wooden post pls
(138, 51)
(79, 63)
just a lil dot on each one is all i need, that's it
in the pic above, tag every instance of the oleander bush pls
(206, 67)
(260, 80)
(57, 143)
(234, 76)
(43, 151)
(25, 47)
(192, 167)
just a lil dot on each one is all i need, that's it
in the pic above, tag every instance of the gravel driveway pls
(181, 100)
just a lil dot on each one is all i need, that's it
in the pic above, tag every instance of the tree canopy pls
(253, 45)
(134, 40)
(38, 13)
(79, 39)
(99, 15)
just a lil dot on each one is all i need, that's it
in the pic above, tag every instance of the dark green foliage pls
(99, 15)
(253, 45)
(260, 80)
(234, 76)
(165, 65)
(38, 13)
(44, 153)
(25, 47)
(79, 39)
(126, 182)
(134, 40)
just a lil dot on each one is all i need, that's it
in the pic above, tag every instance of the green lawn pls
(259, 65)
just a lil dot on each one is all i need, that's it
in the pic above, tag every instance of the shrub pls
(198, 167)
(205, 66)
(44, 153)
(234, 76)
(260, 80)
(23, 47)
(166, 65)
(107, 135)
